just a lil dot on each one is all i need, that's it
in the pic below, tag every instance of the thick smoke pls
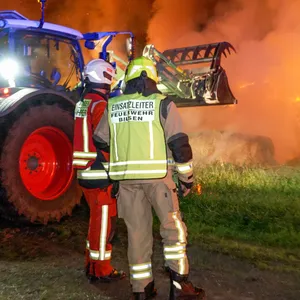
(263, 75)
(90, 16)
(104, 15)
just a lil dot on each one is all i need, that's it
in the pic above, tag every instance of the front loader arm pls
(170, 75)
(191, 86)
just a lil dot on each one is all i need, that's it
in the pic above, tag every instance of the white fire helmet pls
(99, 71)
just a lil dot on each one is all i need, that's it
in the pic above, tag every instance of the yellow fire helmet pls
(139, 64)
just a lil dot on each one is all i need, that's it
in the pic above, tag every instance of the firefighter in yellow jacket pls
(144, 131)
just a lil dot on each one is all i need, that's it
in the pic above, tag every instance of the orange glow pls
(246, 85)
(258, 29)
(263, 74)
(6, 91)
(198, 189)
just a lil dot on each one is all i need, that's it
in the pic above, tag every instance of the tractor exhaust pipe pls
(42, 20)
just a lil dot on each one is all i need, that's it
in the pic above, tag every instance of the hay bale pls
(229, 147)
(295, 162)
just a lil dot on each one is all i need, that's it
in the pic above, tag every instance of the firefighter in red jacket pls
(91, 165)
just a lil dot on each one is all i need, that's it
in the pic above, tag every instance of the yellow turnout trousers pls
(135, 202)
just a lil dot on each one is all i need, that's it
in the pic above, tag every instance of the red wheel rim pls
(46, 163)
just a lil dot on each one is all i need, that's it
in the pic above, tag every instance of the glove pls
(185, 187)
(115, 189)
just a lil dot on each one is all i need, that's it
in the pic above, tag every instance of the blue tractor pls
(41, 68)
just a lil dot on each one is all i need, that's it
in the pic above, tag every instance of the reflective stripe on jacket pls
(88, 114)
(177, 141)
(137, 142)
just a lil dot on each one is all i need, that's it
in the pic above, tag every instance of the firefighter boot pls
(115, 275)
(149, 293)
(183, 289)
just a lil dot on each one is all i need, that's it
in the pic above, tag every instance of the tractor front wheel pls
(36, 164)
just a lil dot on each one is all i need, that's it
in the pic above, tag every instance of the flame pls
(246, 85)
(198, 189)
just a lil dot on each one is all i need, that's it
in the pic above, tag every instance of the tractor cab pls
(38, 60)
(30, 56)
(44, 55)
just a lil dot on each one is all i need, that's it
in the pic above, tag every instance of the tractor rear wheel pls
(36, 165)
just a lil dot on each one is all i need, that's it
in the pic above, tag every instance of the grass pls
(251, 213)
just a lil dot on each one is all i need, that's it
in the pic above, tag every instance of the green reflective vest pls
(137, 140)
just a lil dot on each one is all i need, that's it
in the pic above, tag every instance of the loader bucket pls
(193, 75)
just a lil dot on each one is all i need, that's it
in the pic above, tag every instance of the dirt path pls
(46, 263)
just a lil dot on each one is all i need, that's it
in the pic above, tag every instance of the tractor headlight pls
(9, 68)
(129, 47)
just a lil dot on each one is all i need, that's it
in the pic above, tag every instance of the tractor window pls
(3, 44)
(47, 59)
(4, 52)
